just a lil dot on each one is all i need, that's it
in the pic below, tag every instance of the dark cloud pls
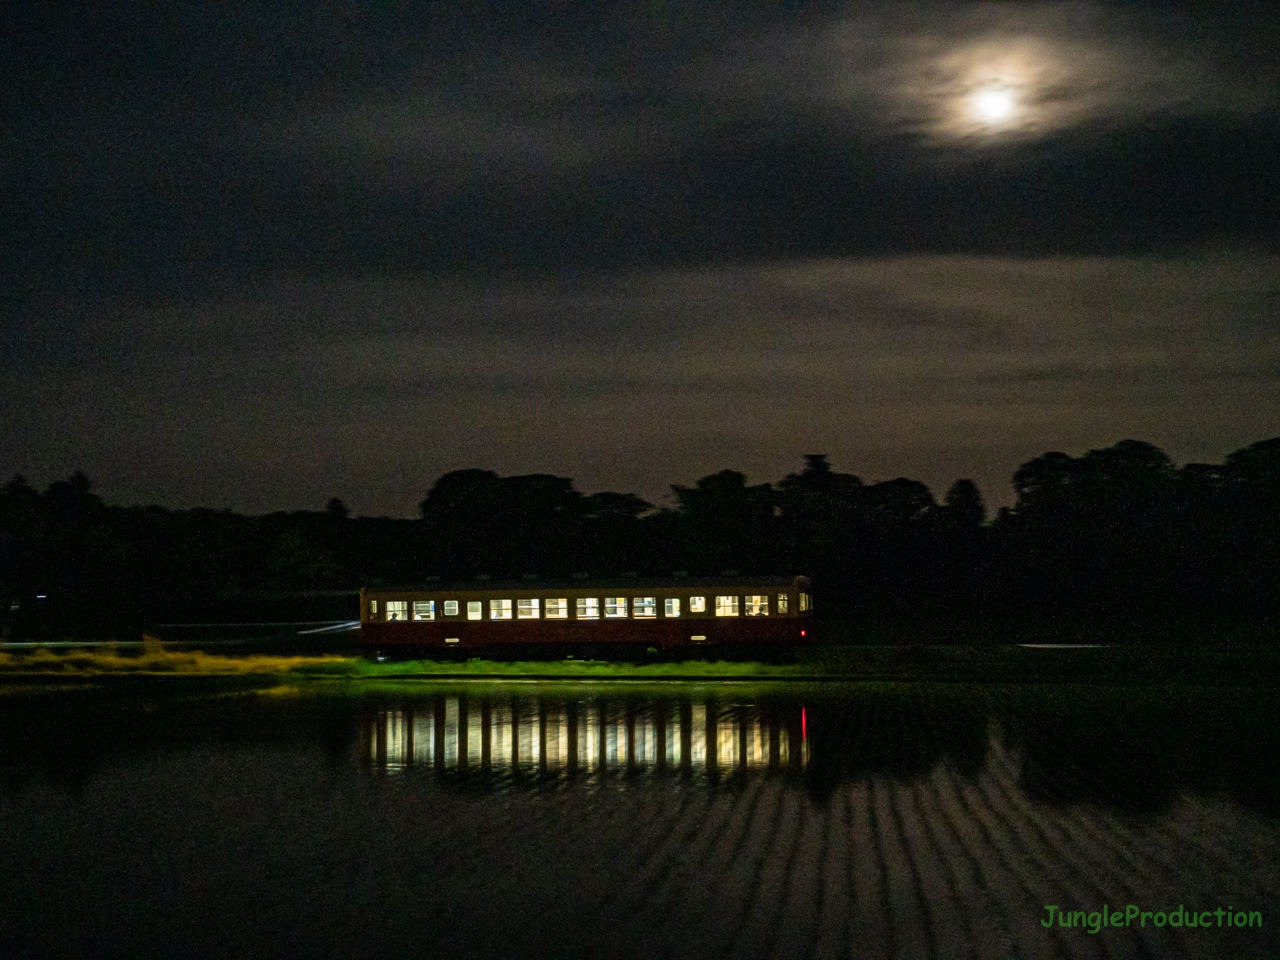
(186, 146)
(934, 367)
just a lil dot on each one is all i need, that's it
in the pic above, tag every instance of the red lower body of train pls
(663, 634)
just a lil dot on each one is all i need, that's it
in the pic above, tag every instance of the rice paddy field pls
(568, 817)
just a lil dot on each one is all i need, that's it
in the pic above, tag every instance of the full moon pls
(993, 106)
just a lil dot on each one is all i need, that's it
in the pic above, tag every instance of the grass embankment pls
(990, 663)
(994, 663)
(154, 660)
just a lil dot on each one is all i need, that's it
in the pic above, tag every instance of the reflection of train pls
(513, 735)
(676, 612)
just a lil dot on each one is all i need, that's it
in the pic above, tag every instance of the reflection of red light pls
(804, 725)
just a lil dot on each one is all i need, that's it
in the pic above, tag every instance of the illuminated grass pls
(155, 660)
(896, 664)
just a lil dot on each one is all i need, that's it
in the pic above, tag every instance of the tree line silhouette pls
(1116, 536)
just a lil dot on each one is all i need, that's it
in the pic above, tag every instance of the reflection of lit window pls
(671, 607)
(588, 608)
(646, 745)
(424, 609)
(499, 609)
(451, 608)
(451, 729)
(527, 741)
(501, 735)
(644, 607)
(397, 609)
(557, 609)
(615, 607)
(698, 735)
(782, 603)
(424, 739)
(589, 736)
(473, 610)
(373, 608)
(757, 605)
(557, 753)
(673, 739)
(527, 609)
(475, 736)
(727, 743)
(562, 739)
(757, 745)
(726, 606)
(397, 737)
(697, 604)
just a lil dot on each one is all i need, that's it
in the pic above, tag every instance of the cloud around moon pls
(1061, 66)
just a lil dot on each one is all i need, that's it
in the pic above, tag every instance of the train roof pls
(541, 585)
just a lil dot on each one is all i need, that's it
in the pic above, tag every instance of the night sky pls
(258, 258)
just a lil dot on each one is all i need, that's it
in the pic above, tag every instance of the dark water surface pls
(605, 820)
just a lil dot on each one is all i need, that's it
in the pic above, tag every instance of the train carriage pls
(677, 612)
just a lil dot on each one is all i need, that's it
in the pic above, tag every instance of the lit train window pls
(424, 609)
(397, 609)
(671, 607)
(697, 604)
(588, 608)
(451, 608)
(782, 603)
(726, 606)
(644, 607)
(499, 609)
(527, 609)
(473, 610)
(373, 608)
(757, 605)
(557, 609)
(615, 607)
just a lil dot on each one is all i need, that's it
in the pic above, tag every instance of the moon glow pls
(993, 106)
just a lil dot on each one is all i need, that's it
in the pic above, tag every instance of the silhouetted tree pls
(613, 534)
(462, 514)
(965, 512)
(963, 576)
(726, 524)
(537, 525)
(1118, 533)
(823, 528)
